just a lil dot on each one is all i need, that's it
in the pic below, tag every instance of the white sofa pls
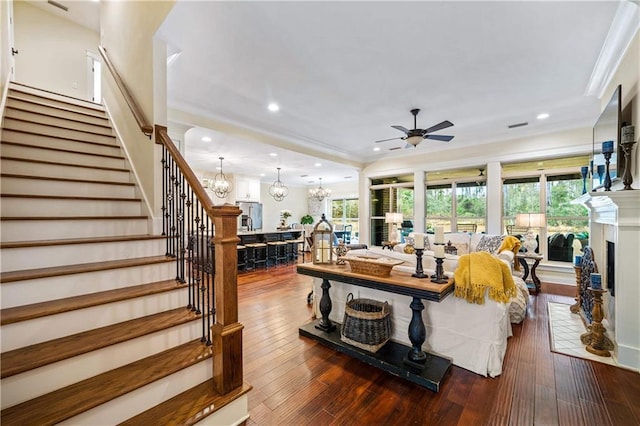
(473, 336)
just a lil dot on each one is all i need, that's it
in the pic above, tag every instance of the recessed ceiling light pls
(542, 116)
(318, 165)
(377, 148)
(206, 139)
(262, 175)
(273, 154)
(273, 107)
(218, 168)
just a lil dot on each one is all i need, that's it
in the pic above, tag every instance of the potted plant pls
(307, 219)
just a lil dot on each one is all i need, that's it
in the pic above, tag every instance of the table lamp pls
(530, 221)
(393, 219)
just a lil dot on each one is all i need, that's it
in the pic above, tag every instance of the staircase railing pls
(203, 240)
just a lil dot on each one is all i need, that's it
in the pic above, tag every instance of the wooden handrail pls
(162, 137)
(142, 121)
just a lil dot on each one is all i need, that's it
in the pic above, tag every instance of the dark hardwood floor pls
(297, 381)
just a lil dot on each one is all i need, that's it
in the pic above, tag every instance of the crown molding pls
(623, 28)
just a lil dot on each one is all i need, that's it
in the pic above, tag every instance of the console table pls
(410, 363)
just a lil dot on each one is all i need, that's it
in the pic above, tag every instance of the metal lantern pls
(323, 242)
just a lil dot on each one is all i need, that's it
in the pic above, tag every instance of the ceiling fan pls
(414, 136)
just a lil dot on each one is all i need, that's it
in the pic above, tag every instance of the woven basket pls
(375, 266)
(367, 324)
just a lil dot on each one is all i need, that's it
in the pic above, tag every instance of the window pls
(519, 195)
(393, 194)
(467, 210)
(345, 211)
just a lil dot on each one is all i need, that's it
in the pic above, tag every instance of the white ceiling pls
(344, 72)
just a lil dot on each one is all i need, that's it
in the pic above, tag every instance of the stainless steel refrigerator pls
(251, 217)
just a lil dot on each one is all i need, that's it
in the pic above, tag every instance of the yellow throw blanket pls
(481, 270)
(512, 243)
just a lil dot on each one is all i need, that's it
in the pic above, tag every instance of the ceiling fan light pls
(414, 140)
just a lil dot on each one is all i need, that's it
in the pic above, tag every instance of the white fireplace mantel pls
(614, 216)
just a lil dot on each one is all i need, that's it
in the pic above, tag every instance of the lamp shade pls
(531, 220)
(393, 218)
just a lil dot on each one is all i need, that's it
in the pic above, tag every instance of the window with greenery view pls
(469, 207)
(345, 211)
(563, 216)
(520, 195)
(393, 194)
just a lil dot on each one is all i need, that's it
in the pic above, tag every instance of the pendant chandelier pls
(278, 190)
(221, 185)
(319, 193)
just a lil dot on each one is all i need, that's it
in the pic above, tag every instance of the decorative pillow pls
(462, 248)
(490, 244)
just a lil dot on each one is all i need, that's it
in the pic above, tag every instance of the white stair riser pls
(135, 402)
(26, 333)
(17, 185)
(32, 230)
(17, 259)
(43, 207)
(62, 112)
(55, 131)
(63, 171)
(37, 382)
(50, 142)
(58, 122)
(44, 154)
(55, 99)
(42, 289)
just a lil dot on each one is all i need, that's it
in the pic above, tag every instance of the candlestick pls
(584, 171)
(439, 238)
(600, 172)
(607, 176)
(607, 147)
(627, 178)
(419, 271)
(577, 260)
(439, 277)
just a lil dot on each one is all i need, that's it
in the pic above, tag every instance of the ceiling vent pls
(58, 5)
(513, 126)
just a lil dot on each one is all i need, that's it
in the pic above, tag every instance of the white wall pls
(6, 62)
(296, 201)
(53, 51)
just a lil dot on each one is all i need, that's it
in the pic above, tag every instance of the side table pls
(524, 258)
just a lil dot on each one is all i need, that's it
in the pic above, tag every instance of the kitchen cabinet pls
(247, 189)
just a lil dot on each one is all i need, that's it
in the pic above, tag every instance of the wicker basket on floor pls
(367, 324)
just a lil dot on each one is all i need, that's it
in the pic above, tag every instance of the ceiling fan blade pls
(401, 128)
(439, 126)
(386, 140)
(394, 148)
(442, 138)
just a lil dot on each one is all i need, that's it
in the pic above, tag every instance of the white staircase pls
(94, 326)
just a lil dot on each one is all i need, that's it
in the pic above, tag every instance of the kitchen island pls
(411, 363)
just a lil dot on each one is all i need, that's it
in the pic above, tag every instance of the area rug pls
(565, 329)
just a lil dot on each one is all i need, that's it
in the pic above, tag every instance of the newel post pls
(226, 331)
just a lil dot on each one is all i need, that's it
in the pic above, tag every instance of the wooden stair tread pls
(85, 103)
(68, 151)
(62, 179)
(98, 113)
(59, 163)
(72, 400)
(29, 357)
(35, 133)
(52, 307)
(189, 407)
(113, 217)
(88, 240)
(106, 125)
(55, 271)
(69, 197)
(87, 132)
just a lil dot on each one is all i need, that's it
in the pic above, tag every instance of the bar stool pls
(242, 258)
(292, 251)
(281, 252)
(258, 254)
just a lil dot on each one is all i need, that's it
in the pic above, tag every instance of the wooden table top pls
(398, 282)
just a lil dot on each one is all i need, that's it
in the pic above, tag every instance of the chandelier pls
(278, 190)
(319, 193)
(221, 185)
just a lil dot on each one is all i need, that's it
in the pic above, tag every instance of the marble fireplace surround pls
(614, 216)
